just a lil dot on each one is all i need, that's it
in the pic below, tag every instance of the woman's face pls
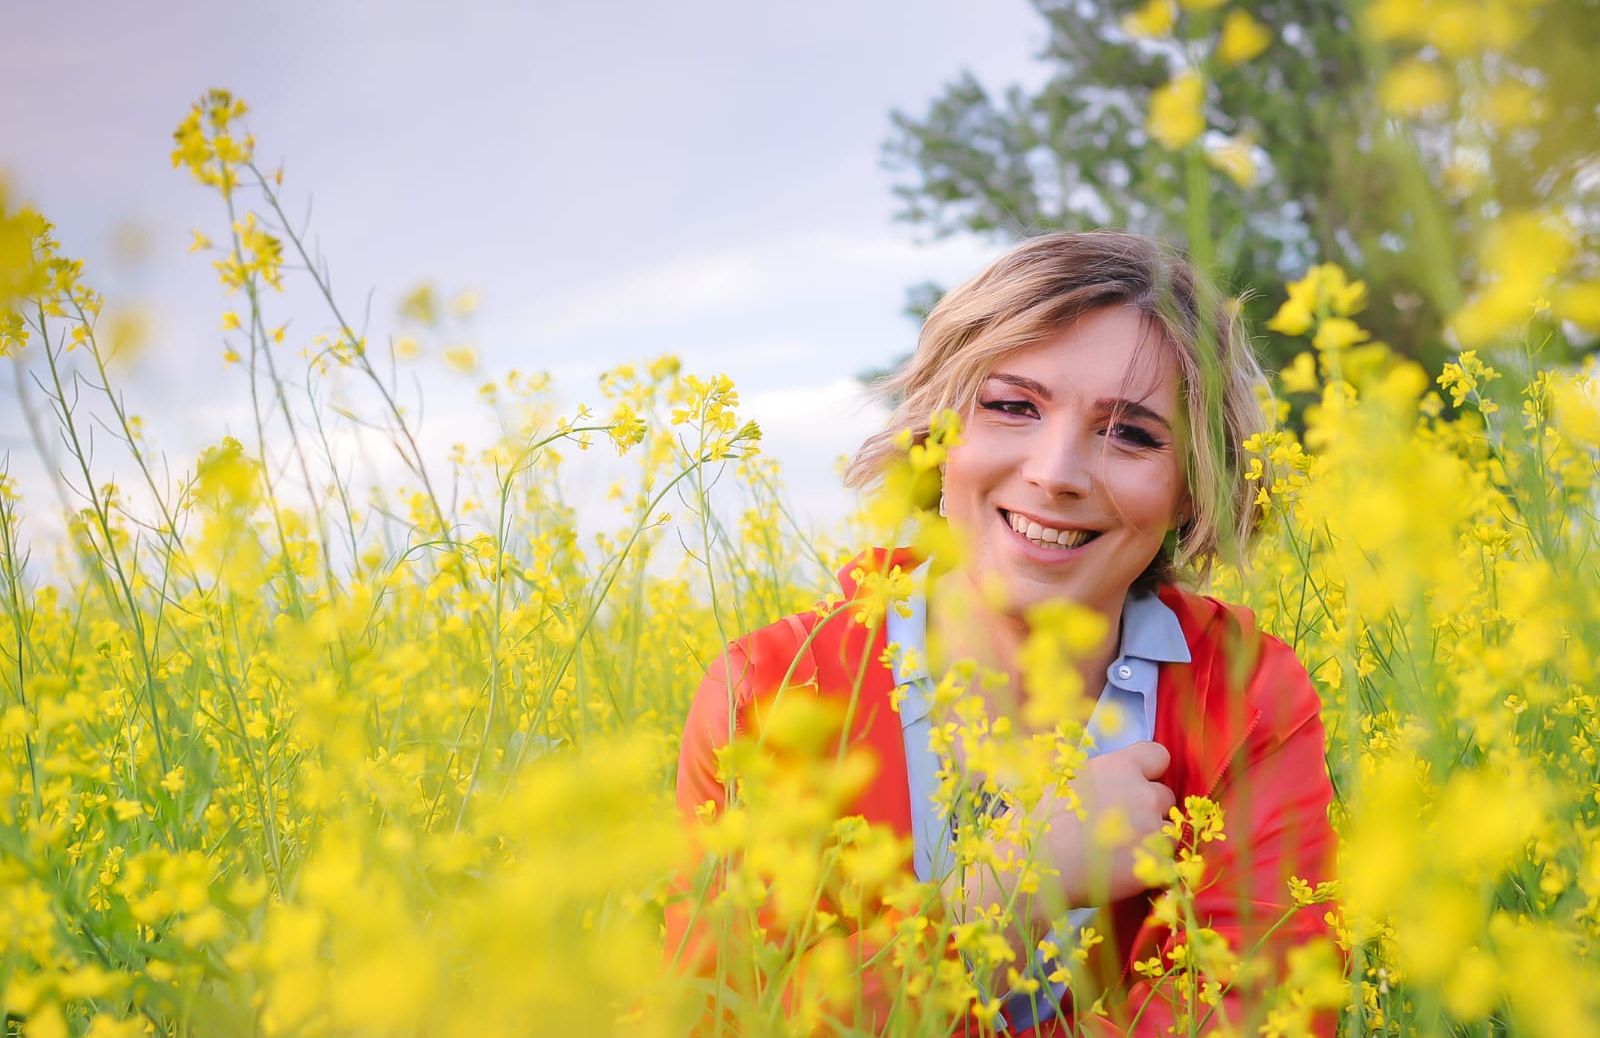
(1059, 492)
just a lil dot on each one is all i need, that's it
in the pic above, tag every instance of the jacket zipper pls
(1249, 729)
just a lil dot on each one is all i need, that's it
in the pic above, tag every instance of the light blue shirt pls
(1124, 714)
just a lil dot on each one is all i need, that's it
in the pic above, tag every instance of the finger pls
(1151, 757)
(1165, 799)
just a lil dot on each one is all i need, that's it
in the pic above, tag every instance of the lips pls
(1048, 538)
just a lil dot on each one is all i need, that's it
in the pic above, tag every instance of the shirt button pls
(1124, 672)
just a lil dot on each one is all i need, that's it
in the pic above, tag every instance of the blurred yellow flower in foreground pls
(1177, 111)
(1522, 257)
(1577, 405)
(1414, 87)
(1243, 38)
(1152, 21)
(461, 357)
(1510, 104)
(1236, 159)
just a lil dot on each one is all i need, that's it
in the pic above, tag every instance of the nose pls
(1060, 463)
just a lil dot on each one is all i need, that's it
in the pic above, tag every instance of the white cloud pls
(809, 265)
(805, 409)
(809, 429)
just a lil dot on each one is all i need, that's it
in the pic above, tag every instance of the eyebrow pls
(1133, 409)
(1128, 408)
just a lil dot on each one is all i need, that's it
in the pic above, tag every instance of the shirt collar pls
(1150, 631)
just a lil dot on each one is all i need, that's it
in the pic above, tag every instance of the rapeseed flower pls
(1243, 38)
(1177, 111)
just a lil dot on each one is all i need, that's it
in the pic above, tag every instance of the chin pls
(1023, 593)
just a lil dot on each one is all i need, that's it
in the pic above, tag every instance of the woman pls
(1104, 409)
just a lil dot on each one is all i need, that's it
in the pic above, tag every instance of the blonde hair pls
(1046, 283)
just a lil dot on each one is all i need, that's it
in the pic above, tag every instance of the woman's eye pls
(1135, 434)
(1017, 407)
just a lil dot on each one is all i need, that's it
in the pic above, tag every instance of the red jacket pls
(1241, 721)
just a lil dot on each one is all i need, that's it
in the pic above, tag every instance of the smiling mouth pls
(1045, 536)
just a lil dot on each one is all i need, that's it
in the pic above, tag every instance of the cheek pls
(1146, 496)
(957, 484)
(967, 470)
(971, 473)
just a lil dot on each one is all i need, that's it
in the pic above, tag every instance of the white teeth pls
(1045, 535)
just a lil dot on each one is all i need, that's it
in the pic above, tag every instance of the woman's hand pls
(1124, 802)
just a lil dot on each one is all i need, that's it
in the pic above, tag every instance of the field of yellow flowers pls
(284, 755)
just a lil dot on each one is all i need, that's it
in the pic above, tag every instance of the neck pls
(961, 625)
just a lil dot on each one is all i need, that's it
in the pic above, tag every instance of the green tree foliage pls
(1339, 178)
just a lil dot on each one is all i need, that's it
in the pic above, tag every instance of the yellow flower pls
(1152, 21)
(462, 357)
(1466, 376)
(1384, 843)
(104, 1025)
(1458, 28)
(1472, 989)
(1414, 87)
(1337, 333)
(1396, 19)
(247, 891)
(202, 927)
(1522, 255)
(1576, 406)
(175, 781)
(1112, 830)
(421, 305)
(1301, 375)
(1236, 159)
(1578, 303)
(47, 1022)
(1315, 974)
(1511, 103)
(1060, 632)
(1294, 316)
(1324, 294)
(22, 269)
(1177, 114)
(1243, 38)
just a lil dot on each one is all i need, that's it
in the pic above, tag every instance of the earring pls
(942, 512)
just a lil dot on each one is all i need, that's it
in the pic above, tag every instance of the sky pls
(613, 181)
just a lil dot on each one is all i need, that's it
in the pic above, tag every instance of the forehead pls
(1110, 353)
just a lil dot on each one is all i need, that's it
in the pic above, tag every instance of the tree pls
(1339, 176)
